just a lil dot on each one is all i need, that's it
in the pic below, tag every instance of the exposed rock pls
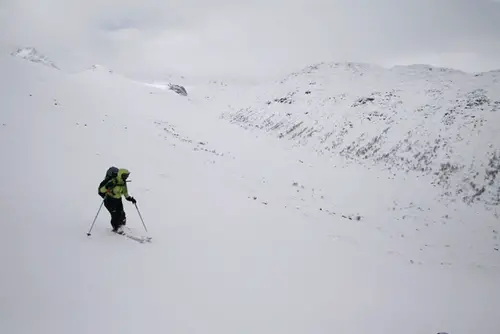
(31, 54)
(178, 89)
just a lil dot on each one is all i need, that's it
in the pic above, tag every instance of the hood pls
(122, 171)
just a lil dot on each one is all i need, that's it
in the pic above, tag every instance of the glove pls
(131, 199)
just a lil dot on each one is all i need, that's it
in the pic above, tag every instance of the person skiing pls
(111, 189)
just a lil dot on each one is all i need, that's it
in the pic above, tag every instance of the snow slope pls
(435, 123)
(248, 237)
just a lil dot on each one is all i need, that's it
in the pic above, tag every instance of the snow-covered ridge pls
(422, 120)
(31, 54)
(99, 68)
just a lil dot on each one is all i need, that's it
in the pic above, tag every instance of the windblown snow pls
(344, 198)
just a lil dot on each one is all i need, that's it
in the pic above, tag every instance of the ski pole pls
(92, 226)
(140, 217)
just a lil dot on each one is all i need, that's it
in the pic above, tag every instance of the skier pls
(111, 190)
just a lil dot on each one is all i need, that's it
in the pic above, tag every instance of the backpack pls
(110, 173)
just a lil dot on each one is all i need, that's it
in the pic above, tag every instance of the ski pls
(141, 239)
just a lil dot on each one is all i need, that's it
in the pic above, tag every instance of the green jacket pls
(116, 187)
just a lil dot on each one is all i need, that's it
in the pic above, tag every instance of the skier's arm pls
(125, 191)
(105, 187)
(127, 196)
(102, 190)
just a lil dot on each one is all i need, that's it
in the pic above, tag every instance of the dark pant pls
(115, 208)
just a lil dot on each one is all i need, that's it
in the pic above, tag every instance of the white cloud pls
(250, 37)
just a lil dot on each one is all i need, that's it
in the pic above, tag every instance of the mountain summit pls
(31, 54)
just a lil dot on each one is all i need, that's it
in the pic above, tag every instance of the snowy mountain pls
(31, 54)
(99, 68)
(421, 121)
(251, 233)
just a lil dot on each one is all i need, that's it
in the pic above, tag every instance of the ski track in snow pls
(249, 236)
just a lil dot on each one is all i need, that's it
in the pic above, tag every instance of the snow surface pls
(250, 235)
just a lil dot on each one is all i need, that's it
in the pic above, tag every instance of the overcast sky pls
(147, 38)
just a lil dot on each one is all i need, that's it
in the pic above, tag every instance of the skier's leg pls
(113, 206)
(123, 216)
(109, 206)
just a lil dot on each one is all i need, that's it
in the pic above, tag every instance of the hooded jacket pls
(115, 187)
